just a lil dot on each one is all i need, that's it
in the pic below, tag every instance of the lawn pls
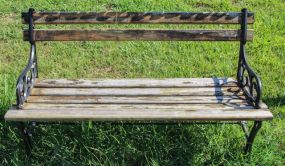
(105, 144)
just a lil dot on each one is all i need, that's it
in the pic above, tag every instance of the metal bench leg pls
(250, 138)
(26, 137)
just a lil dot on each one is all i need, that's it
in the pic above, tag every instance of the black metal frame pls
(250, 135)
(25, 84)
(247, 80)
(26, 135)
(28, 76)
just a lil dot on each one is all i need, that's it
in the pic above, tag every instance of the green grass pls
(106, 144)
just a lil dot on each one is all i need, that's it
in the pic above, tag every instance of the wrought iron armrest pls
(27, 78)
(247, 79)
(249, 82)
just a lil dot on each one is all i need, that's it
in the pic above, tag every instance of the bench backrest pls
(136, 18)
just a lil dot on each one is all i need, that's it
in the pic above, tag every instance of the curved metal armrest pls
(27, 78)
(249, 81)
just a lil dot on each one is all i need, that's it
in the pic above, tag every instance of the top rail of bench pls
(44, 17)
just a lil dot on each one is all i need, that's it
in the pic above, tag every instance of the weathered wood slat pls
(142, 82)
(207, 91)
(138, 35)
(137, 100)
(137, 17)
(138, 107)
(129, 114)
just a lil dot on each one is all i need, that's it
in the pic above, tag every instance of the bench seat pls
(158, 100)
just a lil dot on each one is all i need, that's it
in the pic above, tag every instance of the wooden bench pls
(171, 100)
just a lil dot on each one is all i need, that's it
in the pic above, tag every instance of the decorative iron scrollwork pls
(247, 79)
(27, 78)
(249, 82)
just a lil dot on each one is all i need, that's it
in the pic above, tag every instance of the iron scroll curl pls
(27, 78)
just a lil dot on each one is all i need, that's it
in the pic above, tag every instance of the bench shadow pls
(133, 144)
(274, 101)
(218, 88)
(219, 83)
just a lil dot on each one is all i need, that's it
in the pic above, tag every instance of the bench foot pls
(250, 136)
(26, 137)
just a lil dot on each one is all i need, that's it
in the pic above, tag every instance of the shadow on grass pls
(10, 151)
(274, 101)
(118, 144)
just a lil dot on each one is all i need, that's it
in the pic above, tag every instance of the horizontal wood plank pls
(138, 107)
(137, 35)
(137, 17)
(207, 91)
(135, 83)
(130, 114)
(137, 99)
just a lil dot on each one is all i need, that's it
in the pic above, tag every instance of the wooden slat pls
(135, 83)
(137, 99)
(138, 107)
(207, 91)
(138, 35)
(137, 17)
(130, 114)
